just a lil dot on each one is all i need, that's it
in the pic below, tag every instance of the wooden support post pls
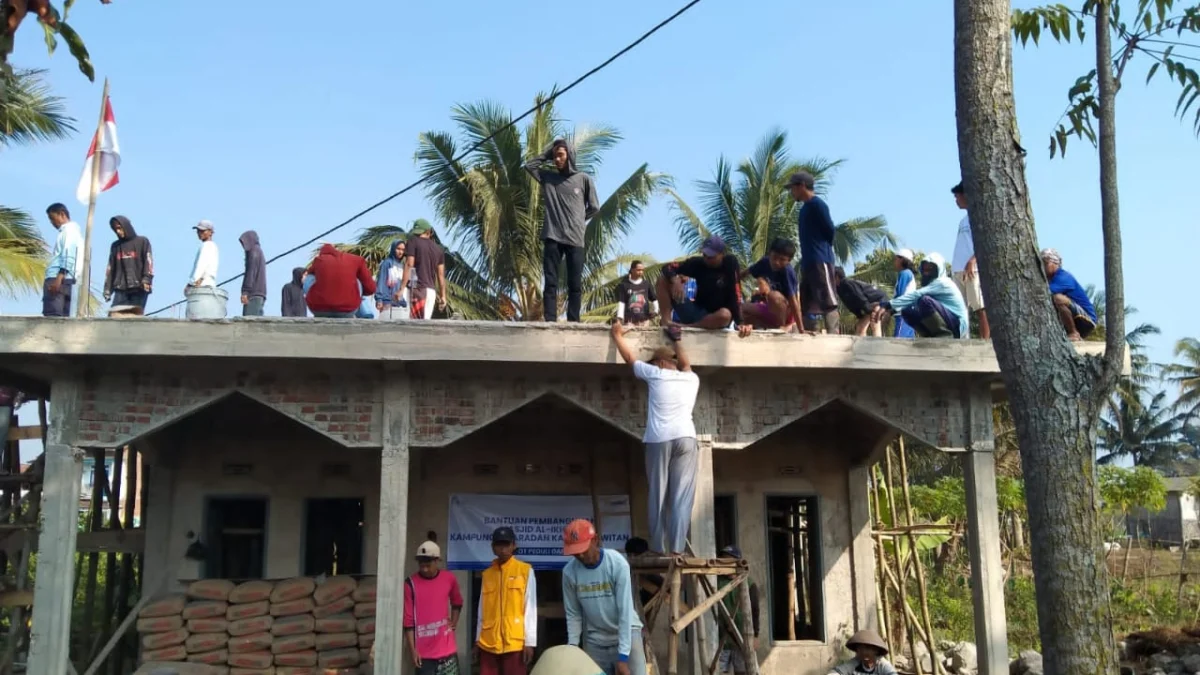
(52, 598)
(927, 626)
(127, 558)
(983, 519)
(701, 647)
(747, 628)
(393, 523)
(674, 578)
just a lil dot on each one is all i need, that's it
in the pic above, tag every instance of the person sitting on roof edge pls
(637, 303)
(776, 304)
(936, 309)
(718, 304)
(1071, 302)
(906, 281)
(391, 298)
(860, 298)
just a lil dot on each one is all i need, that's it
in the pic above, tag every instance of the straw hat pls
(867, 638)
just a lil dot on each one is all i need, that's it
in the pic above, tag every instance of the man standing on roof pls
(636, 301)
(936, 309)
(506, 625)
(424, 269)
(66, 263)
(569, 200)
(292, 295)
(670, 438)
(342, 281)
(130, 272)
(204, 270)
(254, 279)
(1071, 302)
(599, 603)
(718, 303)
(432, 604)
(391, 297)
(964, 267)
(818, 290)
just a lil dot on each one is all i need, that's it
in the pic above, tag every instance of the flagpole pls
(84, 285)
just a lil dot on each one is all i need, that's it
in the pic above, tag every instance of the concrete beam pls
(364, 340)
(704, 544)
(393, 524)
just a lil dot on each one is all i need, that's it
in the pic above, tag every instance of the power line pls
(466, 152)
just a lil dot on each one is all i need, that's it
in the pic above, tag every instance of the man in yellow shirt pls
(506, 628)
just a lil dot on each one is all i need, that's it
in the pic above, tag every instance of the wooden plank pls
(24, 433)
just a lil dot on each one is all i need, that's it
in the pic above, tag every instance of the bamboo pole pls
(700, 629)
(84, 285)
(111, 578)
(912, 543)
(901, 570)
(882, 597)
(749, 655)
(673, 637)
(127, 558)
(96, 515)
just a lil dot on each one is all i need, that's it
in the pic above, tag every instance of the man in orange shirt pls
(506, 628)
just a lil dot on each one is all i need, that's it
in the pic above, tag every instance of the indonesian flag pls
(110, 158)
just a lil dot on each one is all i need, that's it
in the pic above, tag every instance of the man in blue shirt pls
(598, 601)
(775, 302)
(66, 263)
(1071, 303)
(818, 290)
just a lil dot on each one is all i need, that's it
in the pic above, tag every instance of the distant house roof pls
(1180, 483)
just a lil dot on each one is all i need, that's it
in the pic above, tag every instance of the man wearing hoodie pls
(342, 280)
(391, 298)
(130, 272)
(936, 309)
(292, 295)
(254, 280)
(569, 199)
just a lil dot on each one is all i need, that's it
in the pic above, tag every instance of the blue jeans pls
(253, 306)
(334, 315)
(57, 304)
(931, 319)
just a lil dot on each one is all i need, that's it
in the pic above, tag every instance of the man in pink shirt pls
(432, 603)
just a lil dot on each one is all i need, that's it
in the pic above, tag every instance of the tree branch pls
(1110, 217)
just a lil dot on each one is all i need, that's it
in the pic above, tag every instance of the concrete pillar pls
(862, 550)
(160, 514)
(393, 524)
(53, 587)
(983, 519)
(704, 544)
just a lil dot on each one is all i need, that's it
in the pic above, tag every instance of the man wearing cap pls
(1071, 302)
(424, 270)
(717, 274)
(670, 438)
(506, 620)
(732, 659)
(432, 603)
(598, 600)
(204, 270)
(818, 290)
(964, 269)
(869, 650)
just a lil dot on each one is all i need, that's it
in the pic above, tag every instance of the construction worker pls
(597, 594)
(506, 625)
(869, 650)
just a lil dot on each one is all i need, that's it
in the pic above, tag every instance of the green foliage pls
(60, 28)
(1155, 30)
(1185, 374)
(1123, 490)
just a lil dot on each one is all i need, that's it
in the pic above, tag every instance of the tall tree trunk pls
(1054, 393)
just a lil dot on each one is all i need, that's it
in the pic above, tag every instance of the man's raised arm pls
(618, 336)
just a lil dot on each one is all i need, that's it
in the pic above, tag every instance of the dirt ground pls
(1157, 563)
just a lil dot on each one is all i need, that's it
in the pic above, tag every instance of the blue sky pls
(287, 122)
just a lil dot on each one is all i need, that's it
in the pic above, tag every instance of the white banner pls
(538, 522)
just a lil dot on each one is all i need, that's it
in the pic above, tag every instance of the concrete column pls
(983, 519)
(53, 587)
(704, 544)
(862, 550)
(393, 524)
(160, 515)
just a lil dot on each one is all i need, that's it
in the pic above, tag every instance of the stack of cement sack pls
(300, 626)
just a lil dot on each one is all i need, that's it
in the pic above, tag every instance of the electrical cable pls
(417, 183)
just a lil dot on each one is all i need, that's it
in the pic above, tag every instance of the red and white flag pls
(110, 158)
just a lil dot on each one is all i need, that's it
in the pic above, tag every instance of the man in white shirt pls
(66, 263)
(204, 271)
(670, 438)
(964, 269)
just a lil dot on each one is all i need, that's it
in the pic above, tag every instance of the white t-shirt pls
(964, 247)
(672, 397)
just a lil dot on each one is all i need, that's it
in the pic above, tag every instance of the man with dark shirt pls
(569, 200)
(424, 270)
(818, 295)
(776, 303)
(718, 299)
(636, 300)
(861, 299)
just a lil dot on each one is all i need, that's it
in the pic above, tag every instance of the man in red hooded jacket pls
(342, 281)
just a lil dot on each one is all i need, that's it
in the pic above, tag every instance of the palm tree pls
(1149, 434)
(1185, 373)
(29, 113)
(492, 207)
(749, 206)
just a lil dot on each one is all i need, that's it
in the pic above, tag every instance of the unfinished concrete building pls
(292, 447)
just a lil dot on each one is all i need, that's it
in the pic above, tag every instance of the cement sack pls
(159, 624)
(176, 653)
(330, 641)
(207, 626)
(365, 591)
(217, 657)
(297, 670)
(364, 609)
(248, 610)
(210, 589)
(258, 624)
(251, 660)
(205, 609)
(251, 591)
(293, 589)
(343, 604)
(306, 658)
(168, 639)
(293, 625)
(205, 642)
(293, 607)
(339, 658)
(259, 642)
(363, 626)
(252, 671)
(168, 606)
(338, 623)
(366, 640)
(334, 588)
(169, 668)
(293, 643)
